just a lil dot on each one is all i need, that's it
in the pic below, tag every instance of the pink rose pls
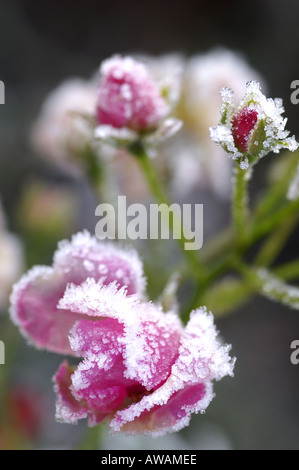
(141, 368)
(128, 96)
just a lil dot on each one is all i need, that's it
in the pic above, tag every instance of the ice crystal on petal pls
(42, 287)
(145, 327)
(139, 366)
(188, 388)
(128, 96)
(134, 353)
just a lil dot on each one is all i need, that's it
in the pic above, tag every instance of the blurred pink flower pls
(59, 132)
(11, 260)
(128, 96)
(140, 368)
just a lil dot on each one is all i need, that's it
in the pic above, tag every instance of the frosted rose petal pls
(35, 297)
(151, 338)
(128, 96)
(189, 387)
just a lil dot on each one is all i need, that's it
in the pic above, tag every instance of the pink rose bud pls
(253, 129)
(242, 127)
(128, 96)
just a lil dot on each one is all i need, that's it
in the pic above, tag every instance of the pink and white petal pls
(100, 379)
(85, 256)
(165, 410)
(33, 309)
(68, 409)
(151, 338)
(95, 405)
(102, 390)
(201, 358)
(35, 297)
(89, 338)
(151, 347)
(201, 355)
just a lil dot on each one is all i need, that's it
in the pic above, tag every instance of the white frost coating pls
(112, 134)
(201, 359)
(167, 129)
(145, 325)
(40, 273)
(122, 65)
(277, 290)
(201, 354)
(293, 192)
(269, 113)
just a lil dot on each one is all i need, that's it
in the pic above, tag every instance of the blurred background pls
(44, 43)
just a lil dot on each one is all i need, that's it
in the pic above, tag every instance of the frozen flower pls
(35, 297)
(11, 261)
(130, 104)
(195, 158)
(140, 368)
(61, 130)
(253, 129)
(128, 96)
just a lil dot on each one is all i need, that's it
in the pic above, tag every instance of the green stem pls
(92, 439)
(240, 210)
(273, 245)
(258, 230)
(288, 271)
(157, 191)
(94, 169)
(278, 191)
(271, 287)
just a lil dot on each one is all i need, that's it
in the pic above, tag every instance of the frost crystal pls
(254, 129)
(75, 261)
(139, 367)
(128, 96)
(133, 104)
(140, 356)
